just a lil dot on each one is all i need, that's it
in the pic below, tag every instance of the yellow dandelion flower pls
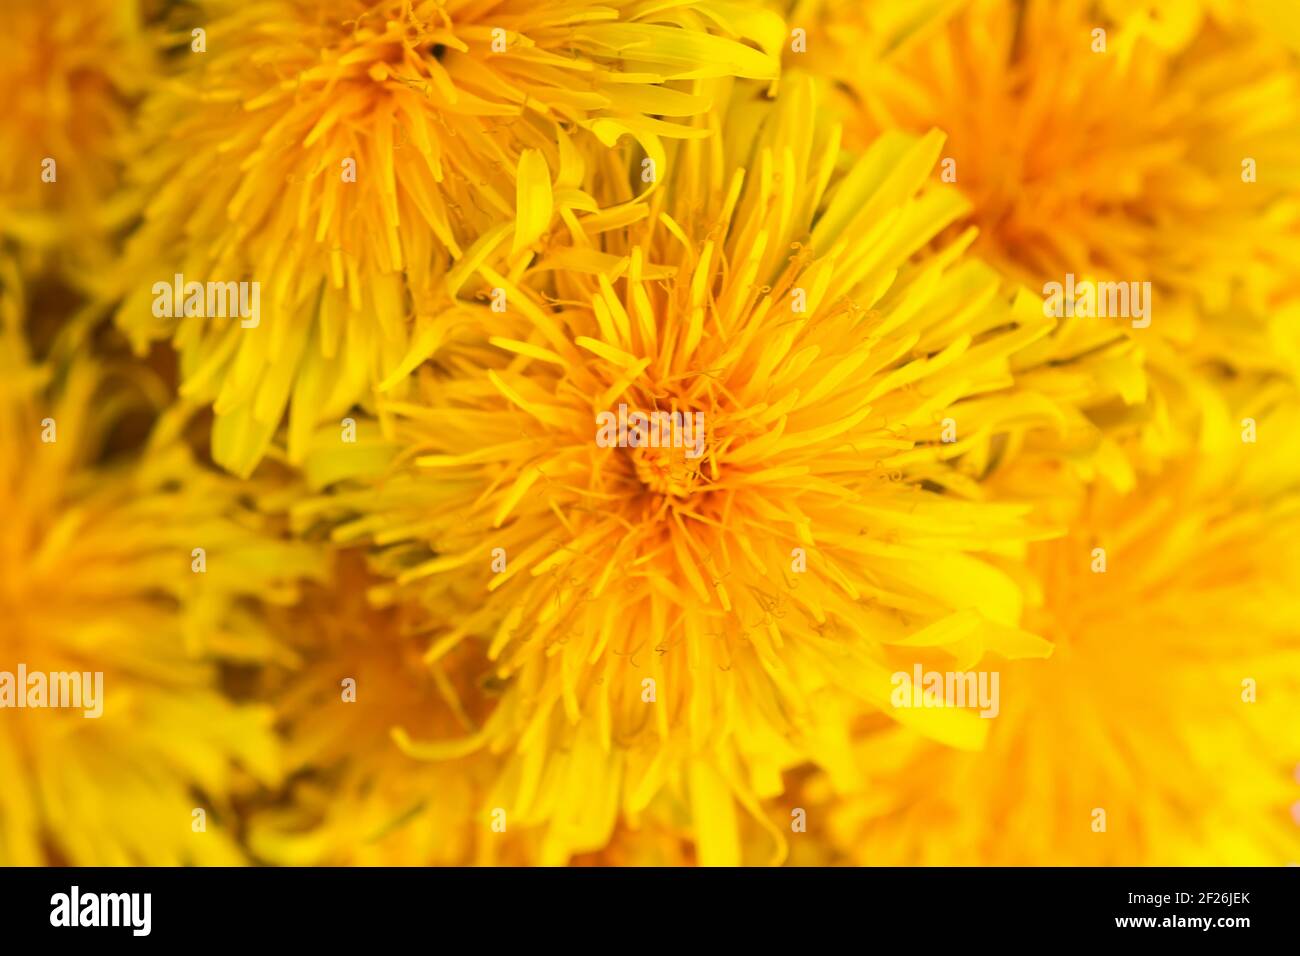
(1119, 158)
(352, 796)
(343, 154)
(71, 71)
(1158, 732)
(98, 579)
(1172, 166)
(703, 612)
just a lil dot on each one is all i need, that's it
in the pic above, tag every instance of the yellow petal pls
(532, 199)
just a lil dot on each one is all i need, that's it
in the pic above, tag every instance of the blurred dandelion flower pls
(96, 575)
(344, 154)
(71, 71)
(1164, 704)
(1105, 165)
(1123, 164)
(352, 797)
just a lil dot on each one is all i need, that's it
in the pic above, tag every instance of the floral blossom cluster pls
(724, 432)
